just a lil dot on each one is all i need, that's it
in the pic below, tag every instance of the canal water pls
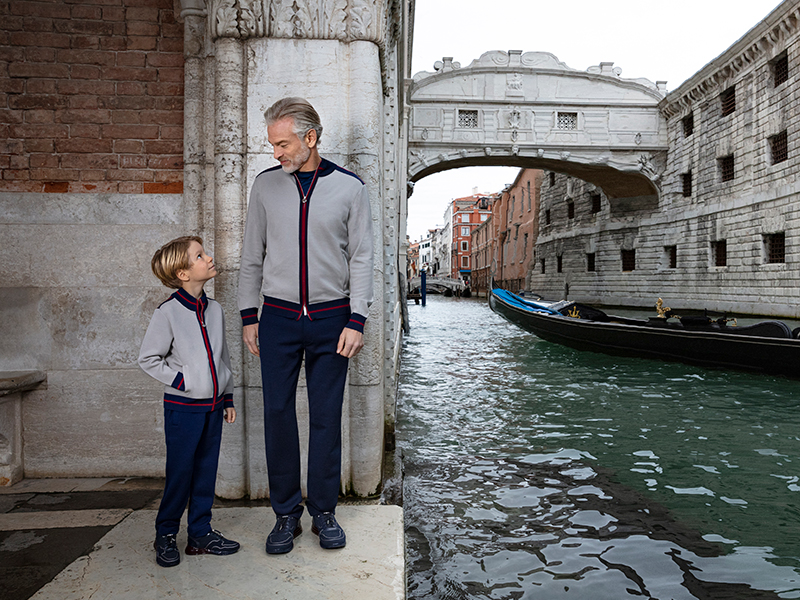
(536, 471)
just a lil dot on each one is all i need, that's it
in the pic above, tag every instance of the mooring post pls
(422, 289)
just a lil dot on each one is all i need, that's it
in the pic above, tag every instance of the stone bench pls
(13, 385)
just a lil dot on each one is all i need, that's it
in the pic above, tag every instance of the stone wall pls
(674, 242)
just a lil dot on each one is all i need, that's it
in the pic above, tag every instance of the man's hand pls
(250, 337)
(350, 343)
(230, 415)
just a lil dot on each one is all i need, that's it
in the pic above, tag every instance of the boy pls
(185, 349)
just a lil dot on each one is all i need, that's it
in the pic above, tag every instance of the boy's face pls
(201, 266)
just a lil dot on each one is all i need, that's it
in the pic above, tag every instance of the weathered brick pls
(29, 38)
(165, 89)
(5, 161)
(157, 3)
(52, 10)
(86, 12)
(89, 161)
(164, 59)
(126, 116)
(133, 132)
(13, 24)
(40, 55)
(172, 30)
(39, 116)
(56, 187)
(127, 102)
(141, 42)
(54, 174)
(86, 27)
(82, 87)
(20, 161)
(34, 130)
(21, 186)
(11, 54)
(88, 42)
(171, 133)
(129, 74)
(133, 161)
(128, 146)
(163, 147)
(54, 71)
(27, 102)
(35, 24)
(170, 75)
(39, 145)
(21, 174)
(9, 146)
(113, 43)
(97, 2)
(142, 28)
(131, 88)
(85, 130)
(83, 146)
(129, 187)
(84, 72)
(131, 59)
(83, 116)
(11, 116)
(87, 57)
(92, 175)
(165, 162)
(130, 175)
(175, 187)
(143, 13)
(83, 102)
(171, 45)
(13, 86)
(39, 161)
(162, 117)
(113, 13)
(169, 103)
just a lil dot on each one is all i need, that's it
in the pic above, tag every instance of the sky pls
(660, 41)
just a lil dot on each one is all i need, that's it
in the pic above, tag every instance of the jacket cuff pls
(178, 383)
(227, 401)
(357, 322)
(249, 316)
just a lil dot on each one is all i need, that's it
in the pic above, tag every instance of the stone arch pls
(531, 110)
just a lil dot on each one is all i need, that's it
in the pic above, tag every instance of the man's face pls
(287, 148)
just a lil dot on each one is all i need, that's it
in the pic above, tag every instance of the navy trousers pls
(283, 343)
(193, 441)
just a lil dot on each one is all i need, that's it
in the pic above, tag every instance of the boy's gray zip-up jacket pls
(185, 349)
(307, 256)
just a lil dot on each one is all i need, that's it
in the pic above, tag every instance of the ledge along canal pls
(537, 471)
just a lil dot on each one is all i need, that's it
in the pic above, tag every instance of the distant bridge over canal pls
(439, 284)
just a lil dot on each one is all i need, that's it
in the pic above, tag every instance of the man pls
(308, 251)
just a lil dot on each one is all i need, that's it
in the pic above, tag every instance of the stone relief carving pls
(344, 20)
(514, 84)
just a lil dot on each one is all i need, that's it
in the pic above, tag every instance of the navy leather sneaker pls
(167, 554)
(281, 539)
(330, 533)
(212, 543)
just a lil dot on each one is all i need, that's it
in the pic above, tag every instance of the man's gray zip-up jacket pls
(185, 349)
(307, 254)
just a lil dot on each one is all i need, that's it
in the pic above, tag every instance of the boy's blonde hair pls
(171, 258)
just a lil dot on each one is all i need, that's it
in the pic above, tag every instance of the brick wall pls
(91, 96)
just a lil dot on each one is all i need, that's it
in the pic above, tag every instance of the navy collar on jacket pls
(190, 301)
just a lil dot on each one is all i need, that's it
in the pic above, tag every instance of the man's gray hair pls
(300, 111)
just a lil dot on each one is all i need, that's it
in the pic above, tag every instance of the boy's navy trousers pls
(193, 441)
(283, 343)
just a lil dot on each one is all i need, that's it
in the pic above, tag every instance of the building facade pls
(724, 233)
(467, 213)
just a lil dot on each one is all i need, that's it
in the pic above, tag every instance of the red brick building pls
(91, 96)
(467, 214)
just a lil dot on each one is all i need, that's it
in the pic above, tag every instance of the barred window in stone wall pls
(728, 101)
(671, 256)
(775, 247)
(719, 253)
(570, 210)
(629, 260)
(541, 262)
(688, 125)
(567, 120)
(468, 119)
(596, 203)
(779, 147)
(552, 179)
(686, 179)
(547, 217)
(726, 168)
(780, 69)
(590, 262)
(559, 263)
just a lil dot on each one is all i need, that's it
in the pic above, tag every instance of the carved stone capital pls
(345, 20)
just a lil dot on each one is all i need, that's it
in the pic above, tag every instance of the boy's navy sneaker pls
(167, 554)
(281, 539)
(331, 535)
(211, 543)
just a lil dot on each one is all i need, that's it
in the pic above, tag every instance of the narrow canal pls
(537, 471)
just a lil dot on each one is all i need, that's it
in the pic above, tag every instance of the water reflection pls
(536, 471)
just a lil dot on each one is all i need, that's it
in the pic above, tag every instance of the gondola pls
(766, 347)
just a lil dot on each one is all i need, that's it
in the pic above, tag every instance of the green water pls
(537, 471)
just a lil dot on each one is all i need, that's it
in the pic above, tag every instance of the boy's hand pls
(250, 337)
(350, 343)
(230, 415)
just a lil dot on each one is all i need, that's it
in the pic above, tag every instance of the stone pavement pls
(70, 539)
